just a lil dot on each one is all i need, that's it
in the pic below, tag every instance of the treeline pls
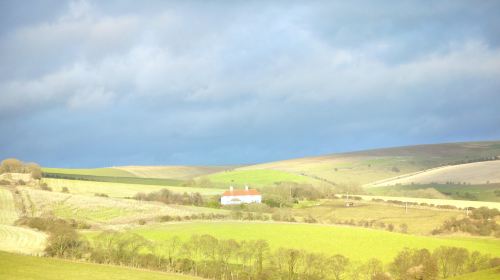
(169, 197)
(12, 165)
(480, 159)
(481, 221)
(285, 194)
(209, 257)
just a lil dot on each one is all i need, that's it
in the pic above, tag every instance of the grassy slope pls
(418, 220)
(90, 171)
(18, 267)
(355, 243)
(257, 177)
(13, 238)
(119, 189)
(474, 173)
(105, 210)
(489, 274)
(483, 192)
(172, 172)
(367, 166)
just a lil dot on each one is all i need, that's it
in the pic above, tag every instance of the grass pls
(18, 267)
(419, 220)
(126, 180)
(457, 203)
(256, 178)
(110, 172)
(481, 192)
(13, 238)
(8, 212)
(356, 243)
(119, 189)
(364, 167)
(489, 274)
(21, 240)
(106, 210)
(172, 171)
(474, 173)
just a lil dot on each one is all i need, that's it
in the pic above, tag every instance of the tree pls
(477, 261)
(372, 268)
(11, 165)
(450, 260)
(35, 170)
(338, 266)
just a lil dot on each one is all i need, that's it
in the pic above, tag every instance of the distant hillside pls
(372, 165)
(474, 173)
(353, 168)
(172, 171)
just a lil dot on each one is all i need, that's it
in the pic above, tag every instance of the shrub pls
(65, 190)
(44, 187)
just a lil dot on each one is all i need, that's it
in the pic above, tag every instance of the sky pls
(108, 83)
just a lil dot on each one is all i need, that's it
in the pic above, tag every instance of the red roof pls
(241, 192)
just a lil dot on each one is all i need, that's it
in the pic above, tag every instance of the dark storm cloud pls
(93, 83)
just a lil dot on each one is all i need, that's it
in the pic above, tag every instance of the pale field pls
(458, 203)
(474, 173)
(119, 189)
(420, 220)
(13, 238)
(102, 210)
(171, 171)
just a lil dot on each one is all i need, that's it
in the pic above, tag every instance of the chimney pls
(231, 188)
(246, 188)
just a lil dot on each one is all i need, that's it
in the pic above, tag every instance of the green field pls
(256, 178)
(120, 189)
(19, 267)
(355, 243)
(489, 274)
(111, 172)
(484, 192)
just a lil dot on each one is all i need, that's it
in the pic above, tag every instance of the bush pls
(44, 187)
(101, 194)
(65, 190)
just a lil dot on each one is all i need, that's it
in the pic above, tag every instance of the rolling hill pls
(473, 173)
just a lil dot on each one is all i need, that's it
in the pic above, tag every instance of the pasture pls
(419, 220)
(489, 274)
(172, 171)
(13, 238)
(368, 166)
(483, 192)
(474, 173)
(120, 189)
(256, 178)
(108, 171)
(105, 210)
(457, 203)
(19, 267)
(356, 243)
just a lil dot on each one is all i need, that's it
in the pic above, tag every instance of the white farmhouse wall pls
(239, 199)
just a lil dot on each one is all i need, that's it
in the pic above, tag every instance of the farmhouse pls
(232, 196)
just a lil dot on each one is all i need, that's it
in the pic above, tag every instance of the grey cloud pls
(191, 82)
